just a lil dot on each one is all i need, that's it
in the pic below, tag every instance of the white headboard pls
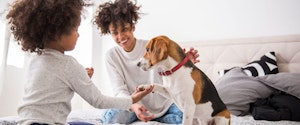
(223, 54)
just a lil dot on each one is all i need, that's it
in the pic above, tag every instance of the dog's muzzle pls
(143, 64)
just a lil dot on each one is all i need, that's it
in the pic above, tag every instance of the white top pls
(125, 76)
(51, 82)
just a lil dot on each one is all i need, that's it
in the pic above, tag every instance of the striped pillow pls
(266, 65)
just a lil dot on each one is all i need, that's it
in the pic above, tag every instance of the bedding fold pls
(238, 90)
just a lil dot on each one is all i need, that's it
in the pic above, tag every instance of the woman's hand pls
(141, 112)
(192, 55)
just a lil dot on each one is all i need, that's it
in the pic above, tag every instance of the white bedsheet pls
(93, 115)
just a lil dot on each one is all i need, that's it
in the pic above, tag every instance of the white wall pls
(181, 20)
(216, 19)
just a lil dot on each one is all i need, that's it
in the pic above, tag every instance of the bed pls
(218, 58)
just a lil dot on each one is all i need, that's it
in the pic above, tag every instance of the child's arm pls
(78, 81)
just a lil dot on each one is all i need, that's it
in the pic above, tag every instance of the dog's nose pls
(139, 64)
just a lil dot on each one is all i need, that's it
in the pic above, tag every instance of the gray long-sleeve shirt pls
(51, 82)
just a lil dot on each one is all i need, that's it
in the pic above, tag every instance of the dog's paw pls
(143, 87)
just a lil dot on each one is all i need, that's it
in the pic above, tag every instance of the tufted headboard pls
(216, 55)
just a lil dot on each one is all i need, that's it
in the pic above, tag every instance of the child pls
(48, 28)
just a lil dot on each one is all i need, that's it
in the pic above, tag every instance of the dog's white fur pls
(179, 87)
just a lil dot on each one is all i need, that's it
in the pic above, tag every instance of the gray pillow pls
(286, 82)
(237, 90)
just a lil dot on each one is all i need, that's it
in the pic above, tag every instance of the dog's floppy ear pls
(160, 49)
(156, 50)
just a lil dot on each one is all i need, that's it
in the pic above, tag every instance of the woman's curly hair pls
(35, 23)
(120, 11)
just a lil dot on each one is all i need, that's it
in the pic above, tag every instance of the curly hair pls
(35, 23)
(121, 11)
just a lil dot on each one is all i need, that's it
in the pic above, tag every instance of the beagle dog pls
(190, 89)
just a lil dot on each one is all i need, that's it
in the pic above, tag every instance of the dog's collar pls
(169, 72)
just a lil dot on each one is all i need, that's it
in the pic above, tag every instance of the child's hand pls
(140, 93)
(90, 71)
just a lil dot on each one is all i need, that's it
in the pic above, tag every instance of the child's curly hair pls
(121, 11)
(35, 23)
